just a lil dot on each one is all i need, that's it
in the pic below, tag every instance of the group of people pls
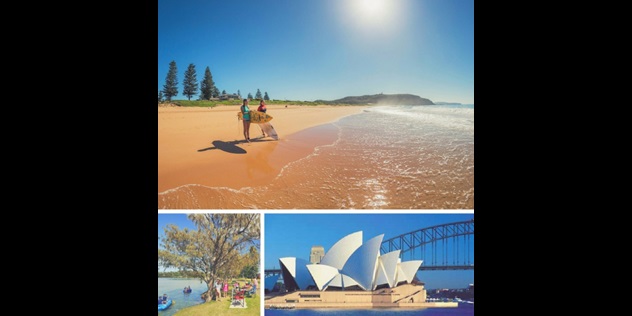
(221, 288)
(162, 299)
(187, 289)
(245, 110)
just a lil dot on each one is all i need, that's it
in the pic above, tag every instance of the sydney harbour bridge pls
(442, 247)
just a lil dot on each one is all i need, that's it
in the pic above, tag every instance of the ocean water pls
(386, 157)
(462, 310)
(173, 287)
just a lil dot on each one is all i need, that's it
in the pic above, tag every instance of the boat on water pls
(164, 306)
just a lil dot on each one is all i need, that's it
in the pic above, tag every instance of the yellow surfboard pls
(256, 117)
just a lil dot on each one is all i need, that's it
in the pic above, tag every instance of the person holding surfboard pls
(262, 108)
(245, 110)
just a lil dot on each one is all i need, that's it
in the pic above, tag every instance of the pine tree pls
(207, 85)
(215, 92)
(170, 89)
(258, 95)
(224, 92)
(190, 82)
(160, 96)
(239, 93)
(249, 96)
(266, 97)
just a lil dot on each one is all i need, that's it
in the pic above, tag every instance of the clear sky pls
(322, 49)
(293, 235)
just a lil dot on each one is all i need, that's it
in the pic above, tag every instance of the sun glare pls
(372, 16)
(371, 8)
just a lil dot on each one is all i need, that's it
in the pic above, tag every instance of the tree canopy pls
(212, 251)
(170, 88)
(258, 95)
(265, 96)
(190, 82)
(207, 85)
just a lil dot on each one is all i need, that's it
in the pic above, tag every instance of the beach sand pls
(206, 146)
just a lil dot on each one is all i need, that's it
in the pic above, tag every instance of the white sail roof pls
(340, 252)
(388, 264)
(343, 281)
(350, 262)
(362, 264)
(322, 274)
(409, 269)
(297, 267)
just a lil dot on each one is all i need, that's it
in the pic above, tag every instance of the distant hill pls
(393, 99)
(448, 103)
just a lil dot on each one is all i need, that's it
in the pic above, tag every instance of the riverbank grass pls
(223, 308)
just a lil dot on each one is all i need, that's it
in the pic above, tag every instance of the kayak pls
(189, 291)
(164, 306)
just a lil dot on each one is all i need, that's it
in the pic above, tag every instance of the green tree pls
(215, 92)
(190, 82)
(249, 96)
(212, 250)
(250, 263)
(239, 93)
(160, 96)
(249, 272)
(266, 97)
(258, 94)
(207, 85)
(170, 88)
(224, 92)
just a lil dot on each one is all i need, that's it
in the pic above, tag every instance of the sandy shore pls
(205, 146)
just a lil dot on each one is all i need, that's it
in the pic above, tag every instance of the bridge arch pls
(442, 247)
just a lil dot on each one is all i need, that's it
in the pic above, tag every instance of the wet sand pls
(205, 146)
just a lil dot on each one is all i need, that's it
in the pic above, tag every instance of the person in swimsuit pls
(245, 110)
(262, 108)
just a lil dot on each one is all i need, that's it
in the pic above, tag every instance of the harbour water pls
(386, 157)
(462, 310)
(173, 288)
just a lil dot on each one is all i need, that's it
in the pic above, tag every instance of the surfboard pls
(256, 117)
(269, 130)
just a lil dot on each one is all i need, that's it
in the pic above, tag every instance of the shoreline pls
(359, 306)
(406, 296)
(205, 146)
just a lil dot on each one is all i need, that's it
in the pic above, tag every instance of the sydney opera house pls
(352, 274)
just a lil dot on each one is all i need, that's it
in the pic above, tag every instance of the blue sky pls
(180, 220)
(322, 49)
(293, 235)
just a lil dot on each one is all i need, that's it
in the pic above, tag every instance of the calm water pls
(387, 157)
(462, 310)
(174, 287)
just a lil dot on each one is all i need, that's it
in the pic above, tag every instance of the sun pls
(372, 8)
(372, 16)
